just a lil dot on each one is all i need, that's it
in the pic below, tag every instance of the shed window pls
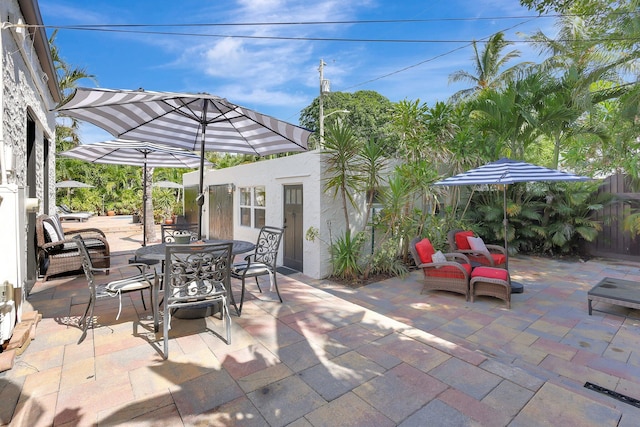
(253, 206)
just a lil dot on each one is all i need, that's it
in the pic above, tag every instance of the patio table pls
(624, 293)
(157, 252)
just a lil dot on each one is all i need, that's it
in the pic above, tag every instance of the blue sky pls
(280, 77)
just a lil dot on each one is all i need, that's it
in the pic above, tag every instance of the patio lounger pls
(65, 214)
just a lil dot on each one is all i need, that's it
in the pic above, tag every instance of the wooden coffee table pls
(624, 293)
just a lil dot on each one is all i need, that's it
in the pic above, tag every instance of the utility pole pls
(324, 88)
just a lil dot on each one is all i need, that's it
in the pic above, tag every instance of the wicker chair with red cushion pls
(493, 256)
(493, 282)
(451, 275)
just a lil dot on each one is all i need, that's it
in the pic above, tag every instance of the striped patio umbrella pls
(137, 153)
(198, 122)
(504, 172)
(72, 184)
(167, 184)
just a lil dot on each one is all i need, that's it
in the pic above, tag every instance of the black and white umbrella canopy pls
(185, 120)
(198, 122)
(504, 172)
(167, 184)
(507, 171)
(137, 153)
(72, 184)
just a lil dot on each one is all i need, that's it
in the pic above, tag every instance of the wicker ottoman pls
(491, 281)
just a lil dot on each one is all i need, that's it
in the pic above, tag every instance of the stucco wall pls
(24, 93)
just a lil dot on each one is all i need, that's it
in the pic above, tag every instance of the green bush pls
(346, 252)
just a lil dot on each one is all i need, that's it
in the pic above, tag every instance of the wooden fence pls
(613, 241)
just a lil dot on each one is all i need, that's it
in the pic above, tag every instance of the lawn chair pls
(481, 254)
(58, 253)
(449, 273)
(133, 281)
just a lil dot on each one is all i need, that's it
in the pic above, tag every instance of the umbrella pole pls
(505, 223)
(144, 204)
(200, 198)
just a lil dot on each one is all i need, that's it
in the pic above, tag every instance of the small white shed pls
(287, 191)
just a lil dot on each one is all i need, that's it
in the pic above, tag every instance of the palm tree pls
(488, 65)
(508, 119)
(579, 64)
(342, 149)
(68, 78)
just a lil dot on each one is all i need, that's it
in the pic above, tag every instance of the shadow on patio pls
(379, 355)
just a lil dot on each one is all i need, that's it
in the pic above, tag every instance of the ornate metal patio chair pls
(168, 232)
(133, 280)
(262, 262)
(195, 276)
(451, 274)
(483, 254)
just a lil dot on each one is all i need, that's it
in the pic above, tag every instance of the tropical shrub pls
(346, 253)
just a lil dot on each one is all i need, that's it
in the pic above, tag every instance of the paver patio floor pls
(379, 355)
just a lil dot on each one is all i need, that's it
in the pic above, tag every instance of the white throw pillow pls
(438, 257)
(477, 244)
(51, 231)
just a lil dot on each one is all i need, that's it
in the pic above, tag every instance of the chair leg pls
(86, 318)
(142, 296)
(241, 298)
(165, 330)
(227, 319)
(156, 307)
(258, 284)
(233, 300)
(275, 282)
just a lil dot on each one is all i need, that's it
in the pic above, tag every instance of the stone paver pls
(383, 354)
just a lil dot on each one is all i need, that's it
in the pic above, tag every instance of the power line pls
(434, 57)
(346, 22)
(326, 39)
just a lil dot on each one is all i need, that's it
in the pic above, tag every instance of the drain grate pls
(614, 394)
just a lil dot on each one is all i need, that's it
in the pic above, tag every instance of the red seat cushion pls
(461, 239)
(425, 250)
(491, 273)
(447, 271)
(499, 259)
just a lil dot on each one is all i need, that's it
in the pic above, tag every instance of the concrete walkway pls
(381, 355)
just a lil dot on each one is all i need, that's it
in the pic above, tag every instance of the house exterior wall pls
(321, 211)
(24, 93)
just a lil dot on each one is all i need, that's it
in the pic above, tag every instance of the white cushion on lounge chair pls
(477, 244)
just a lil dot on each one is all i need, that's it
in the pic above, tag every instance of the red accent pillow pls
(461, 240)
(425, 250)
(491, 273)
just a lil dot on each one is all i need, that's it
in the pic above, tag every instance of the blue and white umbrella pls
(506, 171)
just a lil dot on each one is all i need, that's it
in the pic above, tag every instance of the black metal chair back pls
(168, 232)
(262, 262)
(196, 276)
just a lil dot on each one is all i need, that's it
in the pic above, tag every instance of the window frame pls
(250, 211)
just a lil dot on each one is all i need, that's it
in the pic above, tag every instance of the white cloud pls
(250, 96)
